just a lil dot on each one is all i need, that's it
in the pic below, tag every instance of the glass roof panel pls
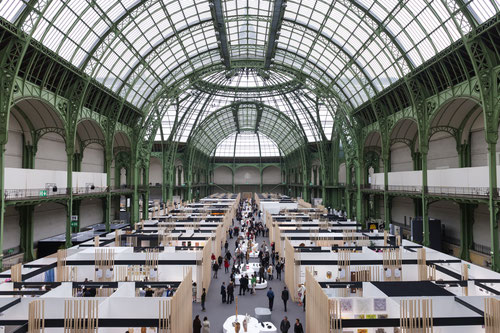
(247, 145)
(137, 47)
(10, 10)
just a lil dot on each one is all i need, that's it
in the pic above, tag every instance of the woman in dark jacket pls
(197, 324)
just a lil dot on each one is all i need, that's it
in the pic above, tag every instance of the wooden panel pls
(492, 315)
(318, 310)
(81, 316)
(416, 316)
(36, 317)
(290, 270)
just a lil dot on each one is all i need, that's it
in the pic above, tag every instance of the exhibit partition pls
(206, 268)
(182, 308)
(318, 308)
(290, 269)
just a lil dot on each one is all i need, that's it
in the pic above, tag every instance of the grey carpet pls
(217, 312)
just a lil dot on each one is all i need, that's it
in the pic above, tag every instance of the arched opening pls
(90, 145)
(403, 142)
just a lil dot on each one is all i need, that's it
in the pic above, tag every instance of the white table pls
(251, 268)
(253, 326)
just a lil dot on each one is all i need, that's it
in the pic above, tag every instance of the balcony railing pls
(17, 194)
(438, 190)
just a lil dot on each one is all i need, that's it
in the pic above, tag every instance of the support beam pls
(2, 201)
(277, 20)
(69, 203)
(220, 31)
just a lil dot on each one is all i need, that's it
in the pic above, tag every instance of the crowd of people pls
(246, 227)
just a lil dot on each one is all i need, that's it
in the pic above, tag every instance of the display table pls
(263, 314)
(250, 268)
(253, 326)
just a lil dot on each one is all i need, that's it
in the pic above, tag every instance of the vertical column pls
(348, 173)
(135, 195)
(493, 208)
(2, 200)
(466, 236)
(425, 214)
(261, 180)
(107, 202)
(359, 194)
(145, 204)
(69, 186)
(26, 217)
(387, 212)
(164, 179)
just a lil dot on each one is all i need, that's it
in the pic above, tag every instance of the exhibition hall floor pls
(217, 312)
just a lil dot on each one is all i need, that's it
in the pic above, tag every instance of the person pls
(219, 262)
(297, 328)
(205, 326)
(223, 292)
(270, 296)
(304, 300)
(243, 284)
(285, 325)
(270, 272)
(203, 298)
(230, 293)
(254, 283)
(300, 293)
(285, 295)
(226, 246)
(197, 324)
(195, 290)
(215, 269)
(226, 265)
(149, 292)
(278, 270)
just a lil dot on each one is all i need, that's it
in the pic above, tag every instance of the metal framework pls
(173, 79)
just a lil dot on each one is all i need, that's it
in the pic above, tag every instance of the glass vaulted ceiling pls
(247, 145)
(356, 47)
(279, 91)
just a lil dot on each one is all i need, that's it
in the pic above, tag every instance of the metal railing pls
(439, 190)
(40, 193)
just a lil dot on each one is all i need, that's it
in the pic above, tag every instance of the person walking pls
(203, 298)
(205, 326)
(270, 296)
(297, 328)
(285, 295)
(223, 292)
(226, 246)
(215, 269)
(226, 265)
(230, 293)
(285, 325)
(197, 324)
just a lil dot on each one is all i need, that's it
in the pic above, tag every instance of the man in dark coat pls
(285, 325)
(285, 295)
(230, 293)
(223, 292)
